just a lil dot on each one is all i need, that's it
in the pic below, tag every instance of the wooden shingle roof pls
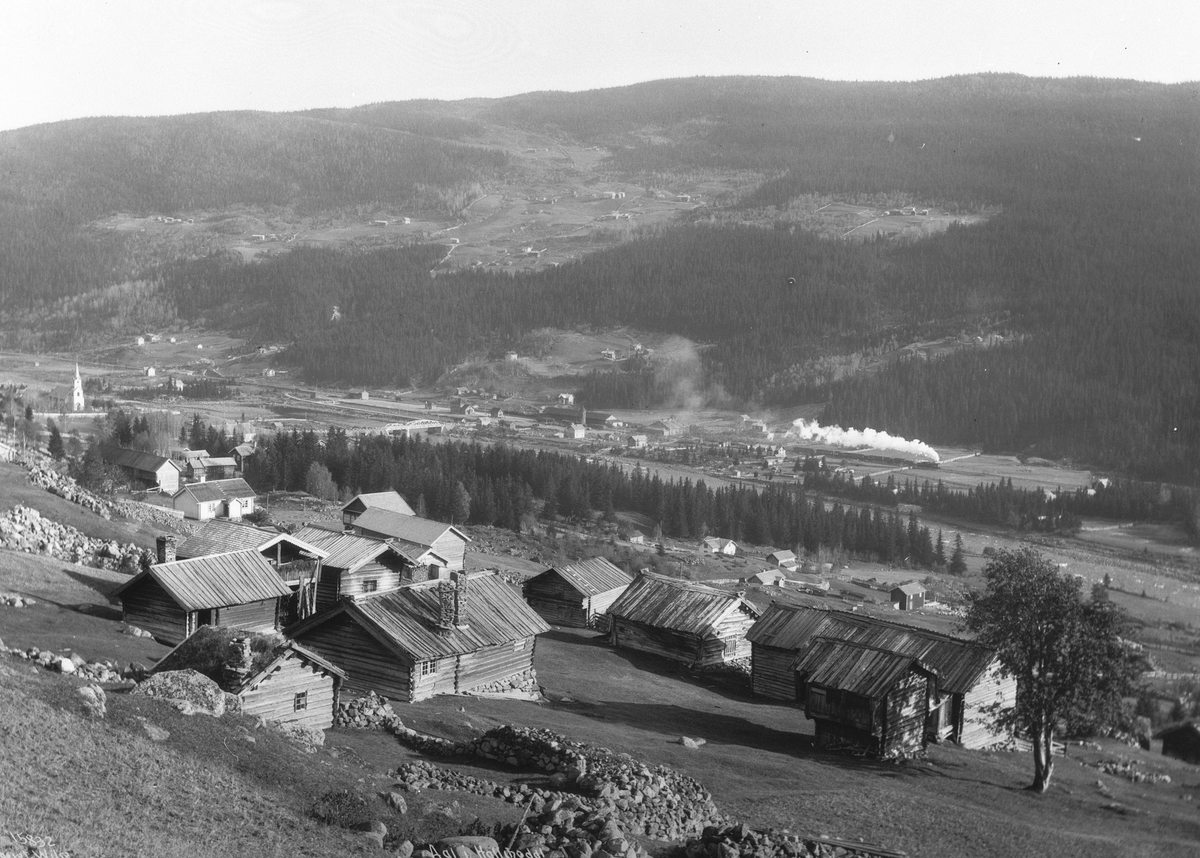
(409, 528)
(134, 459)
(854, 668)
(681, 606)
(592, 577)
(215, 581)
(406, 620)
(219, 537)
(390, 500)
(348, 551)
(215, 490)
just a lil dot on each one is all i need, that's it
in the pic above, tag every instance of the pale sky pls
(63, 60)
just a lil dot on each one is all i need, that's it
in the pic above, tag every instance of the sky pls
(65, 59)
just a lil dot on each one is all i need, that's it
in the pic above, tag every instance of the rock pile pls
(1128, 769)
(366, 713)
(43, 475)
(738, 841)
(525, 681)
(26, 529)
(74, 664)
(15, 600)
(189, 690)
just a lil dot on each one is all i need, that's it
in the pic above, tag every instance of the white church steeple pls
(77, 391)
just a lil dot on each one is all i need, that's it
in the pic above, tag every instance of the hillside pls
(689, 207)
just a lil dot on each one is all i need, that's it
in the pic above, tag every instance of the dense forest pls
(1091, 253)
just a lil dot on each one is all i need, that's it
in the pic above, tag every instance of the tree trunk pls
(1043, 759)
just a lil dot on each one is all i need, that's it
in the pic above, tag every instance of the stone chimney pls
(452, 602)
(165, 549)
(460, 600)
(238, 662)
(445, 592)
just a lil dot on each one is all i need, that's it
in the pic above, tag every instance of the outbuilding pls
(425, 538)
(908, 597)
(273, 678)
(576, 595)
(680, 620)
(361, 566)
(1181, 741)
(215, 499)
(172, 600)
(144, 470)
(392, 501)
(474, 633)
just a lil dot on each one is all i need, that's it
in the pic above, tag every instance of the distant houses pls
(577, 594)
(440, 637)
(215, 499)
(718, 545)
(908, 597)
(698, 625)
(361, 566)
(1181, 741)
(144, 470)
(391, 501)
(783, 559)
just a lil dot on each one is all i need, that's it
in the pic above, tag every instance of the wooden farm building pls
(680, 620)
(358, 566)
(215, 499)
(576, 595)
(392, 501)
(143, 470)
(240, 454)
(864, 698)
(908, 597)
(1181, 741)
(172, 600)
(273, 678)
(970, 677)
(783, 559)
(439, 637)
(420, 535)
(717, 545)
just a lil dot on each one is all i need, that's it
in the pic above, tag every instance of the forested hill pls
(1092, 259)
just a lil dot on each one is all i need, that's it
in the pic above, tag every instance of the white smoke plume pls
(836, 436)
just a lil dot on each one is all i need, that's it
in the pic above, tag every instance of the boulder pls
(197, 692)
(308, 738)
(405, 849)
(94, 701)
(396, 801)
(156, 734)
(62, 664)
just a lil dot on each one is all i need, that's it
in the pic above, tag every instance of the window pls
(518, 645)
(428, 668)
(370, 585)
(300, 701)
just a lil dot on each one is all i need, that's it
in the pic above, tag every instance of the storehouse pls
(1181, 741)
(421, 535)
(867, 699)
(717, 545)
(172, 600)
(215, 499)
(578, 594)
(908, 597)
(971, 681)
(273, 678)
(439, 637)
(362, 566)
(144, 470)
(687, 622)
(392, 501)
(783, 559)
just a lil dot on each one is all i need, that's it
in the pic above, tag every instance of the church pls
(77, 401)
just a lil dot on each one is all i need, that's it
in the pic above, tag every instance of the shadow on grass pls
(101, 585)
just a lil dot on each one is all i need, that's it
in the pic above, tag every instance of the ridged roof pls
(959, 663)
(857, 669)
(682, 606)
(135, 459)
(910, 589)
(406, 619)
(392, 501)
(410, 528)
(215, 581)
(204, 650)
(591, 577)
(346, 550)
(218, 490)
(219, 537)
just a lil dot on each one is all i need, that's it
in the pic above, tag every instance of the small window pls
(300, 701)
(370, 585)
(429, 668)
(518, 646)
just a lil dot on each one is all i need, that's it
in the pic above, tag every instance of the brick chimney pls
(165, 549)
(238, 661)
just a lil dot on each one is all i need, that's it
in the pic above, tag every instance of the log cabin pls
(1181, 741)
(358, 566)
(680, 620)
(274, 678)
(172, 600)
(971, 682)
(298, 562)
(577, 595)
(870, 700)
(435, 637)
(416, 534)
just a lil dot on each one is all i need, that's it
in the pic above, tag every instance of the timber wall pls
(274, 697)
(368, 665)
(905, 710)
(674, 645)
(975, 729)
(147, 606)
(253, 617)
(770, 672)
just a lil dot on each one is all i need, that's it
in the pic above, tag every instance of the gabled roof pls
(214, 490)
(135, 459)
(681, 606)
(219, 537)
(858, 669)
(349, 551)
(405, 620)
(409, 528)
(217, 462)
(215, 581)
(717, 543)
(243, 449)
(204, 650)
(786, 554)
(959, 663)
(910, 589)
(1183, 727)
(591, 577)
(391, 500)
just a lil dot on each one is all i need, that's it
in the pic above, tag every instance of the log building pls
(576, 595)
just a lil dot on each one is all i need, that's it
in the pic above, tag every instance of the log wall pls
(274, 697)
(494, 663)
(443, 681)
(147, 606)
(974, 725)
(368, 665)
(771, 674)
(253, 617)
(906, 707)
(663, 642)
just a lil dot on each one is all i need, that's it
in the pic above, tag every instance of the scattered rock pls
(190, 690)
(396, 801)
(691, 743)
(94, 701)
(156, 734)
